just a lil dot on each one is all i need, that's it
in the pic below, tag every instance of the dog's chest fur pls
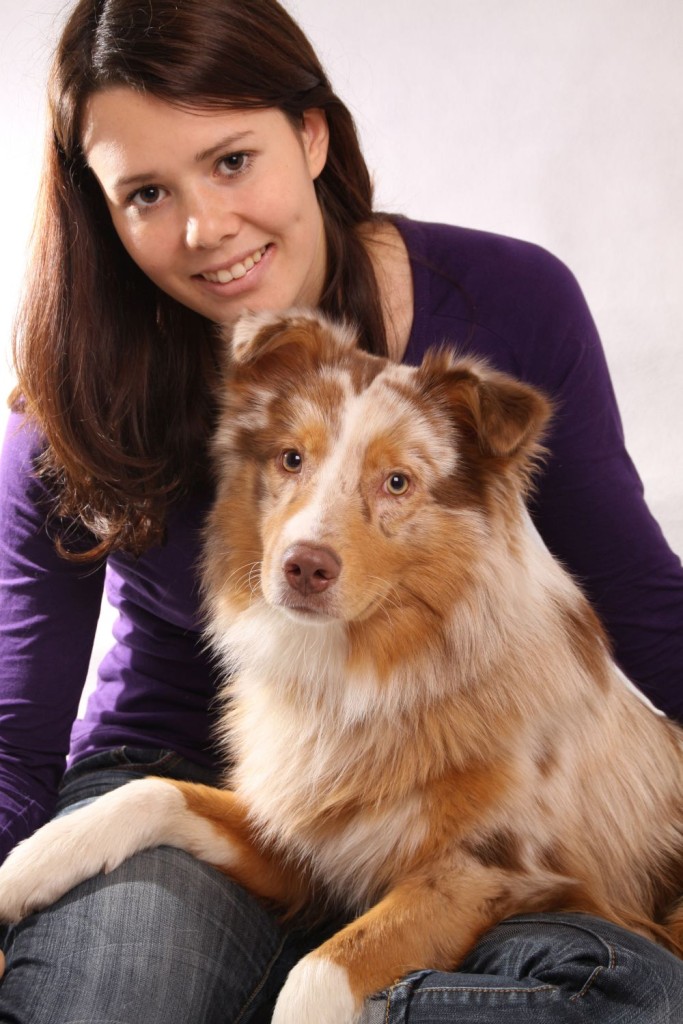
(302, 775)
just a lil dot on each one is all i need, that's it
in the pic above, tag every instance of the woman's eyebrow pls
(228, 142)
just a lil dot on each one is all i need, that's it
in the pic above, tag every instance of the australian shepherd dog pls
(425, 726)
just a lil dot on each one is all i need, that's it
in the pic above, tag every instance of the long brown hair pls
(117, 374)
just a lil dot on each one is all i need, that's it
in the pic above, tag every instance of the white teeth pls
(237, 271)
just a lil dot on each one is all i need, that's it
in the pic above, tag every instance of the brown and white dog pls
(428, 731)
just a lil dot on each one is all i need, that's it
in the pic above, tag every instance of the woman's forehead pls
(128, 135)
(126, 113)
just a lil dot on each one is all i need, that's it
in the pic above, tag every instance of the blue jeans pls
(165, 939)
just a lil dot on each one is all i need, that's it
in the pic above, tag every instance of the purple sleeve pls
(591, 509)
(50, 608)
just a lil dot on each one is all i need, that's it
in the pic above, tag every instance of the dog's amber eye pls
(292, 460)
(397, 483)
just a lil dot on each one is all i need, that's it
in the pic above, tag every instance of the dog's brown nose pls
(310, 569)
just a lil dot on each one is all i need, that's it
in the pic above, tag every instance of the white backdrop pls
(558, 121)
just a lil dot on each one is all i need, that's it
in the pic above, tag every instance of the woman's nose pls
(208, 223)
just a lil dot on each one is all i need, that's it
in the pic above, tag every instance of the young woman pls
(199, 165)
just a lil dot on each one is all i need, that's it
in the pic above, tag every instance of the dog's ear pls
(506, 416)
(310, 336)
(255, 333)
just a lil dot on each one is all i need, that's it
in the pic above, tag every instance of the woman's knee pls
(544, 968)
(162, 938)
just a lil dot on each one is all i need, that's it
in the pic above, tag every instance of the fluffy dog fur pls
(428, 731)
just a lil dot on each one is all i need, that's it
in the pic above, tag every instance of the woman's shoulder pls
(515, 296)
(483, 258)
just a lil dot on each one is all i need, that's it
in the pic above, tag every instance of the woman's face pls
(217, 208)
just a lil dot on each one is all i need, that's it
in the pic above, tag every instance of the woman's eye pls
(397, 483)
(150, 195)
(233, 164)
(292, 460)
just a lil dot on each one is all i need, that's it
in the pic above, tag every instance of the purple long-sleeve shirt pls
(508, 301)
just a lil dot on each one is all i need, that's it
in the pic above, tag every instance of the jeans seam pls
(512, 989)
(596, 973)
(262, 981)
(388, 1006)
(588, 985)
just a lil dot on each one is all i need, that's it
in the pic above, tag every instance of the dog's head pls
(350, 487)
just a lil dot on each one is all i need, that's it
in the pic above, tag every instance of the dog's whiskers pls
(254, 577)
(249, 574)
(390, 595)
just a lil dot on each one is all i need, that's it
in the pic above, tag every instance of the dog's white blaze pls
(317, 991)
(99, 837)
(336, 474)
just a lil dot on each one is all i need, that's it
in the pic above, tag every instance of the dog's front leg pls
(209, 823)
(426, 922)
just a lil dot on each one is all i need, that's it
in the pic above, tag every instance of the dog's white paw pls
(42, 868)
(317, 991)
(82, 843)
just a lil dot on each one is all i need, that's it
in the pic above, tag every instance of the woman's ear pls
(316, 137)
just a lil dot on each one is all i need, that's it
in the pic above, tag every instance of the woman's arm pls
(591, 508)
(50, 608)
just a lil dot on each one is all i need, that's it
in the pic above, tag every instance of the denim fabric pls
(544, 969)
(165, 939)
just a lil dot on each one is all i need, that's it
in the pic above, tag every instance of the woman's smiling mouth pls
(237, 270)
